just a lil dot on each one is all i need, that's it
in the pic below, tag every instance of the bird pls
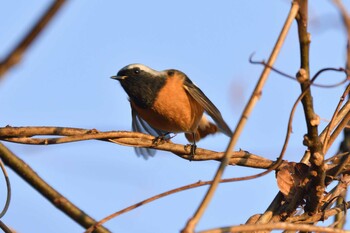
(165, 102)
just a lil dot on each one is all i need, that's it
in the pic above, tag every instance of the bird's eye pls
(137, 71)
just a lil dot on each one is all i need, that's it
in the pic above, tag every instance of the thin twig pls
(345, 145)
(316, 184)
(342, 163)
(16, 54)
(331, 124)
(339, 129)
(8, 186)
(340, 116)
(153, 198)
(295, 79)
(189, 228)
(161, 195)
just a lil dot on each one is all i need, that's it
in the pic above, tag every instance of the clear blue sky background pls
(63, 80)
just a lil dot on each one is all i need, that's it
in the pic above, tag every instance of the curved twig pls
(8, 186)
(294, 78)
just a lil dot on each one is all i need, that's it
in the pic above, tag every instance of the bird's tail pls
(205, 127)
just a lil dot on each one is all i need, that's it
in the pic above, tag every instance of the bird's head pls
(141, 83)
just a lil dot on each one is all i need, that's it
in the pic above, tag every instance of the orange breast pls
(173, 110)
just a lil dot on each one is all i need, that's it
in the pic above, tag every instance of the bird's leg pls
(193, 147)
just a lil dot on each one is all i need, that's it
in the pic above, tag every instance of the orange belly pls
(173, 109)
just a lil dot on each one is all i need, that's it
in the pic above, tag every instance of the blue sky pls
(63, 80)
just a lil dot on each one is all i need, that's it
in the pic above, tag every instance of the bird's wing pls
(208, 106)
(140, 125)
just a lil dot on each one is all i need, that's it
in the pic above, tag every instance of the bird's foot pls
(160, 139)
(192, 150)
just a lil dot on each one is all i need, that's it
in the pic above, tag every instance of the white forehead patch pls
(142, 67)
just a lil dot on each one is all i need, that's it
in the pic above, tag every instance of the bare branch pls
(316, 182)
(276, 226)
(29, 175)
(24, 135)
(326, 142)
(344, 123)
(16, 54)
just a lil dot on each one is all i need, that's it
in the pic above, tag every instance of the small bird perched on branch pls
(164, 102)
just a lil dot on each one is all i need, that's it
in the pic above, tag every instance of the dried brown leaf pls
(290, 177)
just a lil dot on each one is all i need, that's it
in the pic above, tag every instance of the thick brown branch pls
(29, 175)
(16, 54)
(316, 185)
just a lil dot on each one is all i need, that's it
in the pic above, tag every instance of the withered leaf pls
(289, 178)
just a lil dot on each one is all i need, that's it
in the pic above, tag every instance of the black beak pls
(119, 78)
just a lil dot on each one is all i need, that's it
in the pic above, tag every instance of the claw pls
(192, 150)
(161, 139)
(158, 140)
